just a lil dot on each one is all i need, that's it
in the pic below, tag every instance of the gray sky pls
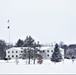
(44, 20)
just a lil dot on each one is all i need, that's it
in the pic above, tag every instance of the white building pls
(48, 51)
(14, 52)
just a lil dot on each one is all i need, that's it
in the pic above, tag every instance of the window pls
(47, 50)
(8, 56)
(51, 50)
(12, 55)
(12, 51)
(43, 51)
(16, 51)
(21, 51)
(8, 51)
(16, 55)
(48, 55)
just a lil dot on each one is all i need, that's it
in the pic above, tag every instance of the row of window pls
(12, 56)
(22, 51)
(48, 55)
(17, 55)
(47, 50)
(13, 51)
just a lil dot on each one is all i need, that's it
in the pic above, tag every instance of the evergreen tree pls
(32, 48)
(56, 56)
(28, 41)
(3, 47)
(36, 51)
(19, 43)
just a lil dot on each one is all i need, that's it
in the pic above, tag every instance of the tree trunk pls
(26, 60)
(17, 61)
(29, 57)
(34, 56)
(34, 61)
(72, 61)
(29, 61)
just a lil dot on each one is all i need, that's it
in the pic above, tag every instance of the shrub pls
(39, 58)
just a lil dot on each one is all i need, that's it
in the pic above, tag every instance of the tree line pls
(33, 49)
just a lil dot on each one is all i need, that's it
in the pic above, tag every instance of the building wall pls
(13, 53)
(47, 53)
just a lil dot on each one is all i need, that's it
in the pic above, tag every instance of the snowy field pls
(66, 67)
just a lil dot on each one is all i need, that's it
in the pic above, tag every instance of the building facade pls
(14, 52)
(46, 52)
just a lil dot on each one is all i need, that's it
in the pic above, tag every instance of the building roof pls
(14, 48)
(49, 48)
(46, 48)
(17, 48)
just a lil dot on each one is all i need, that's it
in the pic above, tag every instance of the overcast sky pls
(45, 20)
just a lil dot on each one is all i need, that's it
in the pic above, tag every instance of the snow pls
(48, 67)
(44, 48)
(14, 48)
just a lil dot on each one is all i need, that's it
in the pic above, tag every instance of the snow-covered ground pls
(66, 67)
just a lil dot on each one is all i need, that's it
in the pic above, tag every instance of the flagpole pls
(9, 34)
(9, 31)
